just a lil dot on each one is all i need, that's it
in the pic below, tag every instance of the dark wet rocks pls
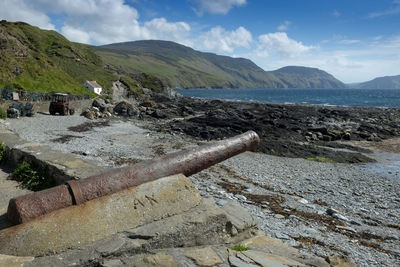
(285, 130)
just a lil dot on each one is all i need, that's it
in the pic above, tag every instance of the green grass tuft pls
(3, 114)
(3, 155)
(239, 248)
(32, 177)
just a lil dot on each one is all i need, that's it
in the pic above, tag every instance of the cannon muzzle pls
(75, 192)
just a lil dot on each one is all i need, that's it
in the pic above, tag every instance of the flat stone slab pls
(76, 226)
(13, 261)
(66, 166)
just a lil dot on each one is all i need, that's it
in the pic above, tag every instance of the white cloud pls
(217, 6)
(14, 10)
(94, 21)
(280, 43)
(349, 42)
(388, 12)
(160, 28)
(75, 34)
(220, 40)
(284, 26)
(368, 61)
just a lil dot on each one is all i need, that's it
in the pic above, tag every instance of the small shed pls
(15, 96)
(93, 86)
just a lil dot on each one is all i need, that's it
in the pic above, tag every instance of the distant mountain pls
(183, 67)
(303, 77)
(38, 60)
(387, 82)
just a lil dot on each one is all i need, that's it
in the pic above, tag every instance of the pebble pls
(279, 216)
(302, 201)
(346, 228)
(331, 211)
(282, 236)
(221, 202)
(241, 197)
(353, 222)
(340, 217)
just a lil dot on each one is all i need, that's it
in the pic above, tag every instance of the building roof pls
(94, 84)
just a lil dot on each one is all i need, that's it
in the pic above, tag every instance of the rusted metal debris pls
(190, 161)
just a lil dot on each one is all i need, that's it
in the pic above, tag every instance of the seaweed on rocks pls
(285, 130)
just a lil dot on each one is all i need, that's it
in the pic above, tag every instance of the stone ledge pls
(62, 166)
(77, 226)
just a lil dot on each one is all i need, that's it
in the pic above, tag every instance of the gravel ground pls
(325, 208)
(111, 143)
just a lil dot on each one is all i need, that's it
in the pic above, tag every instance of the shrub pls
(32, 177)
(3, 155)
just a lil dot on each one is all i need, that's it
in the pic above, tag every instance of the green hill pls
(303, 77)
(183, 67)
(38, 60)
(387, 82)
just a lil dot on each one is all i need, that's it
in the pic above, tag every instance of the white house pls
(94, 86)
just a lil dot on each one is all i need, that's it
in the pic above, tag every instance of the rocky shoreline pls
(326, 208)
(285, 130)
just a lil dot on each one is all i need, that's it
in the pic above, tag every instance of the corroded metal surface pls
(187, 162)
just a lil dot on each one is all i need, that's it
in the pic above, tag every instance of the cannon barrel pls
(75, 192)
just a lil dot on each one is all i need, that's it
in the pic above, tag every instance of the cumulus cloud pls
(279, 42)
(75, 34)
(94, 21)
(216, 6)
(220, 40)
(284, 26)
(14, 10)
(160, 28)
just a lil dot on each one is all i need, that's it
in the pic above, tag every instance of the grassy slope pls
(44, 61)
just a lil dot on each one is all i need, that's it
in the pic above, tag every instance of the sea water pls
(334, 97)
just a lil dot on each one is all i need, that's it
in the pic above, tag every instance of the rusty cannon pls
(190, 161)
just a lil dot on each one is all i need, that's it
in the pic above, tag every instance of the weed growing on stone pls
(32, 177)
(321, 159)
(239, 248)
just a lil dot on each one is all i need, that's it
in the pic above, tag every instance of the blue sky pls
(355, 40)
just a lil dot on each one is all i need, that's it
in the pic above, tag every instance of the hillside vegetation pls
(38, 60)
